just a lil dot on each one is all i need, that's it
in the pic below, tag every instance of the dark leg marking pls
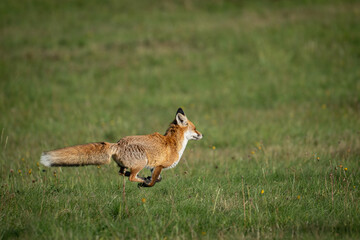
(123, 173)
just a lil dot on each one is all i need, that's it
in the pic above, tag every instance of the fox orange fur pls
(154, 151)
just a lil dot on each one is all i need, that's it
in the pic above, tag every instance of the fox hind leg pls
(134, 176)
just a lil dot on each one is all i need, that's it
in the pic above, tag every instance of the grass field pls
(274, 86)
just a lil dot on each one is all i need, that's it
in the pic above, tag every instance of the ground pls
(273, 86)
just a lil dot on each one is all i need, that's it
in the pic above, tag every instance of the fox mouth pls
(198, 137)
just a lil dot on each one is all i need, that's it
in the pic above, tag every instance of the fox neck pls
(178, 136)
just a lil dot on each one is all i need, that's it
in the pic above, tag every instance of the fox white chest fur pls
(183, 146)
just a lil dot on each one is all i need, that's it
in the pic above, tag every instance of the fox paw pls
(157, 180)
(143, 185)
(126, 174)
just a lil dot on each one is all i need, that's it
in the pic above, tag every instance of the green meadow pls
(274, 86)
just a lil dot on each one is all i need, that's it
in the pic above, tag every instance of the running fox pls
(154, 151)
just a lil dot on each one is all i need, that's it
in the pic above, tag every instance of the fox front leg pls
(157, 180)
(154, 178)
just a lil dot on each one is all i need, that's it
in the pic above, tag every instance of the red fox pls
(154, 151)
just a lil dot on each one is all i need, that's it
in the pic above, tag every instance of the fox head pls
(190, 132)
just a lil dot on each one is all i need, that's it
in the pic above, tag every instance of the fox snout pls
(198, 136)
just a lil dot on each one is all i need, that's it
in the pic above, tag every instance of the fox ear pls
(180, 111)
(181, 119)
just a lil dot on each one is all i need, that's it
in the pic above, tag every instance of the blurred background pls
(76, 71)
(244, 71)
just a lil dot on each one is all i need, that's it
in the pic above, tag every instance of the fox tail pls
(79, 155)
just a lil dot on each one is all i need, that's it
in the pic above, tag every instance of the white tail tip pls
(45, 159)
